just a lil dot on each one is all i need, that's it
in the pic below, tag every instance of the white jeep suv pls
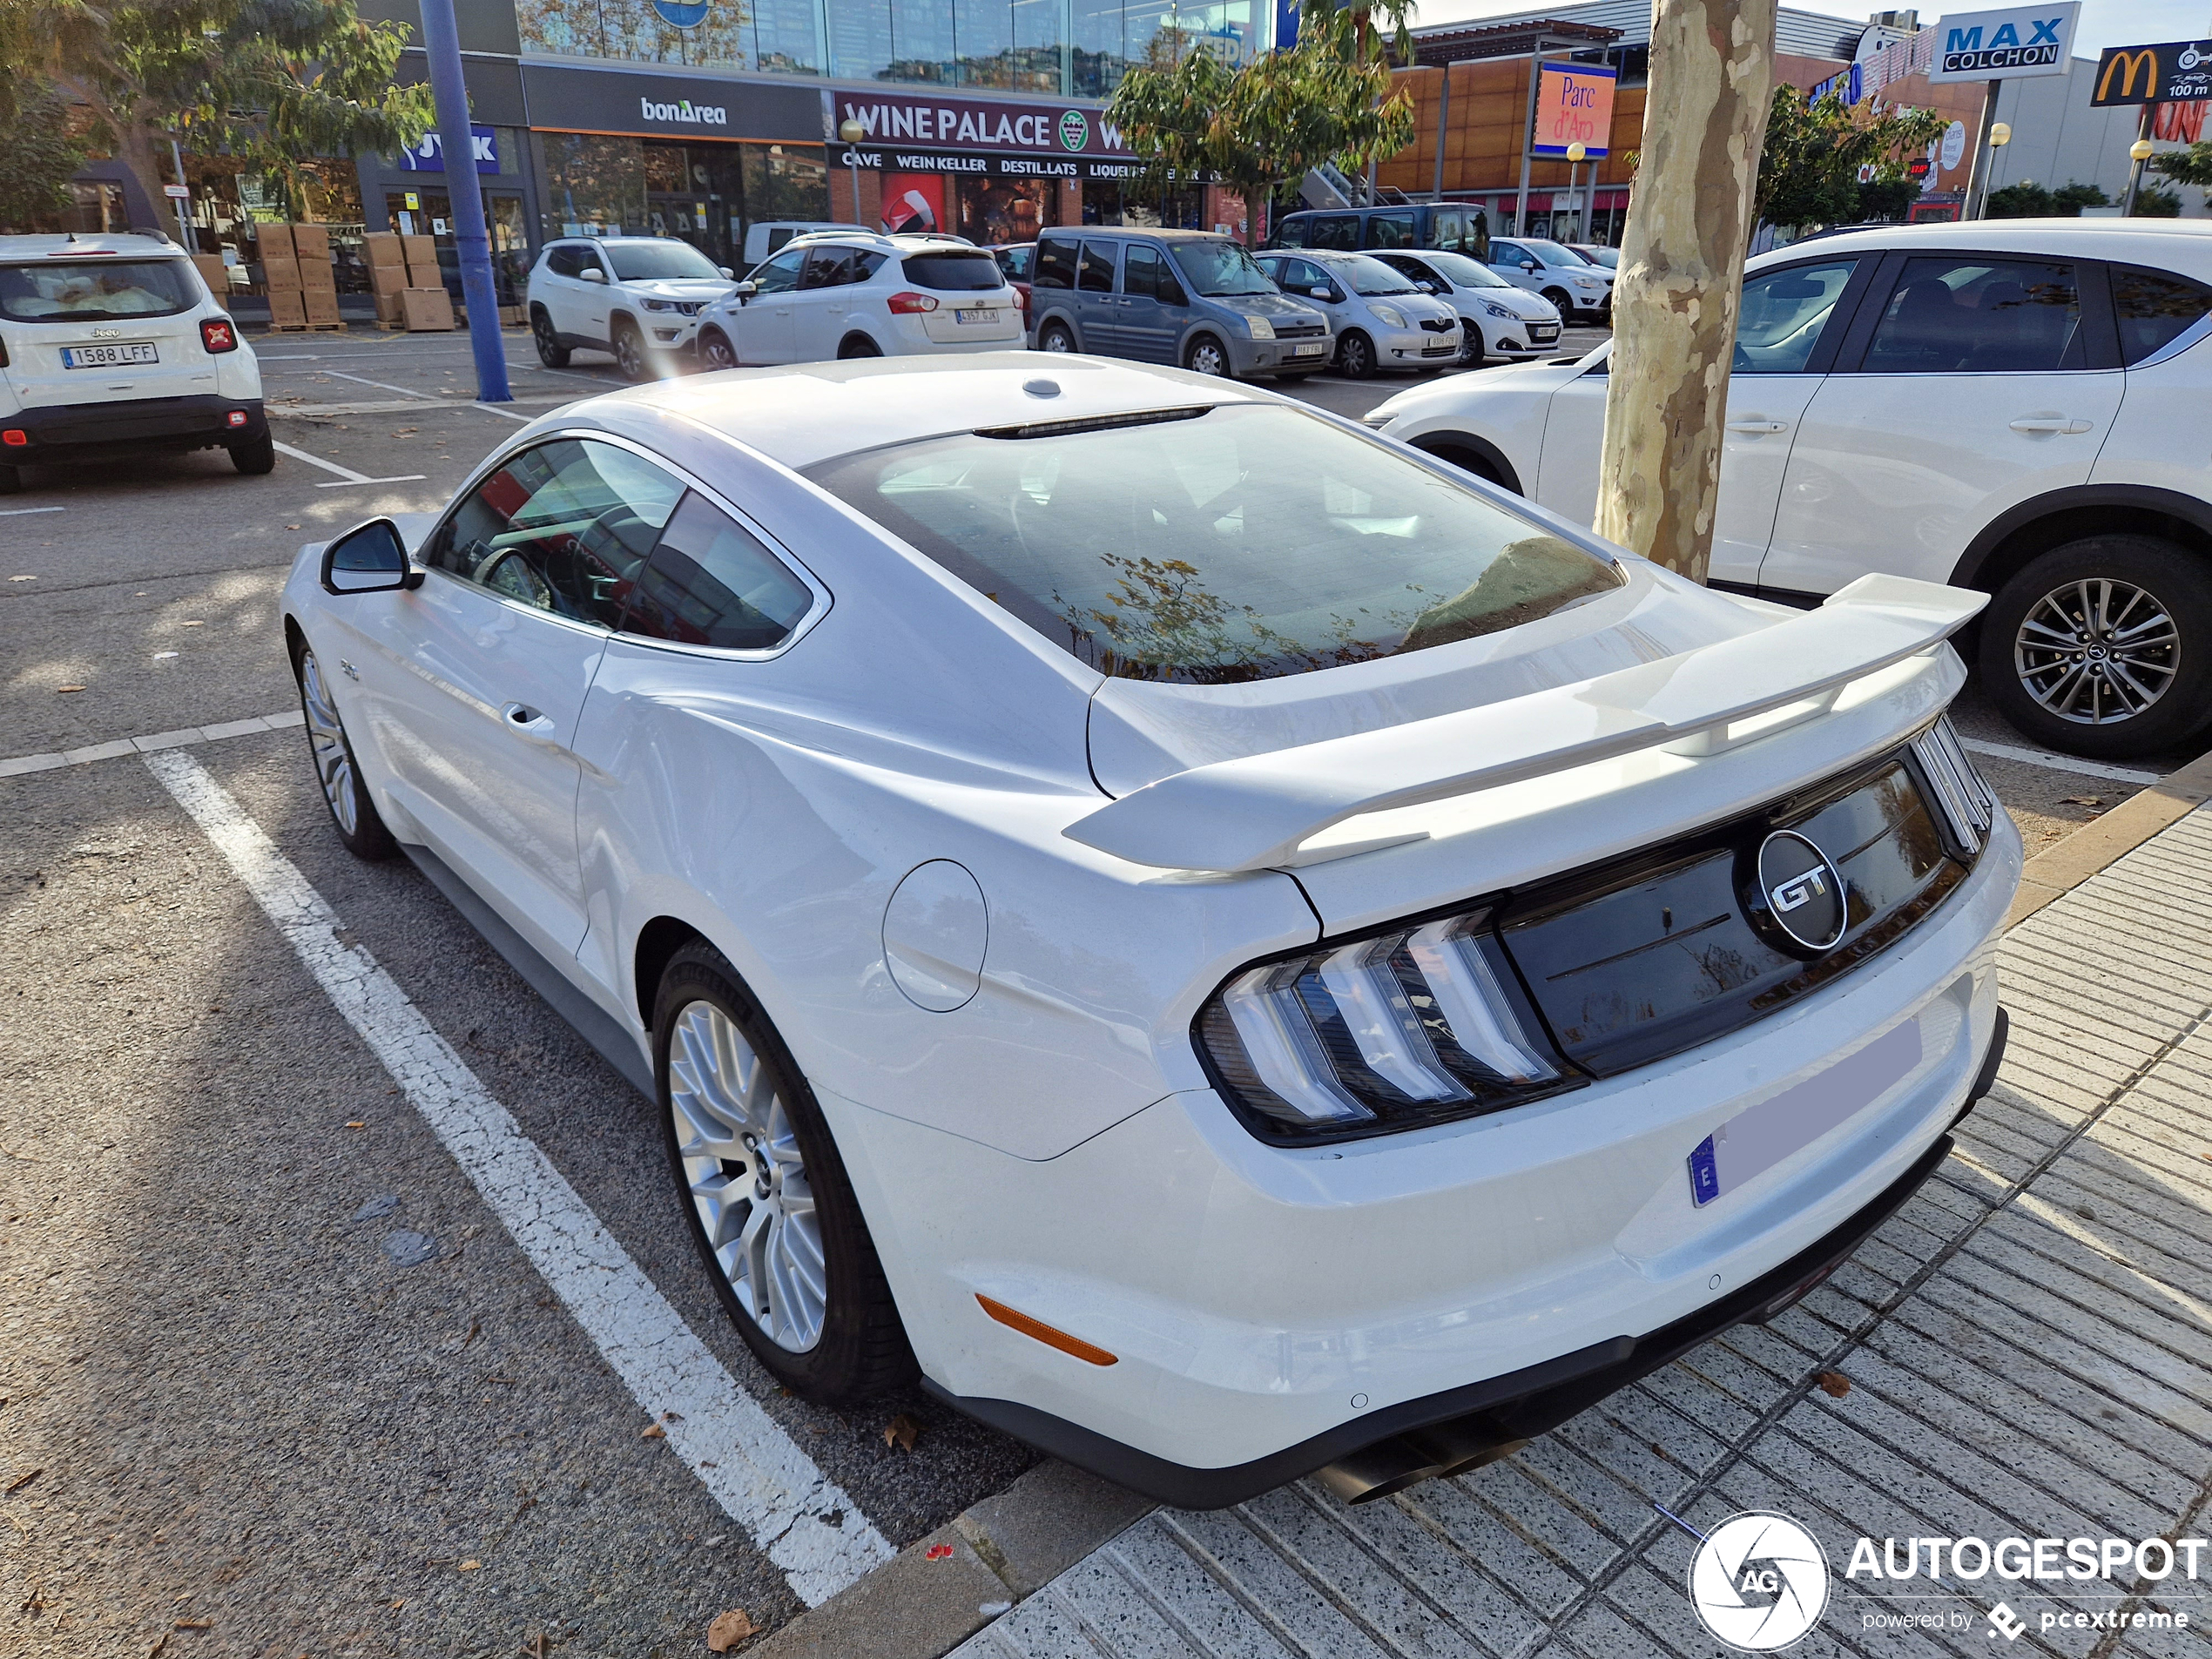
(639, 297)
(2016, 407)
(858, 294)
(112, 346)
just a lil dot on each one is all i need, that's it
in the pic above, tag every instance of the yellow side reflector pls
(1045, 1333)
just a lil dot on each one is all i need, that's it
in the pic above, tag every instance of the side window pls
(1338, 231)
(1056, 265)
(2155, 308)
(1449, 229)
(1304, 274)
(711, 582)
(564, 259)
(1391, 230)
(1784, 315)
(827, 267)
(1145, 271)
(564, 527)
(1096, 276)
(1979, 316)
(1292, 233)
(780, 274)
(1510, 253)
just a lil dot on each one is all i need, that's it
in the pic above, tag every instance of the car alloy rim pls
(1355, 356)
(719, 354)
(1057, 339)
(1206, 359)
(627, 355)
(326, 741)
(2097, 651)
(746, 1175)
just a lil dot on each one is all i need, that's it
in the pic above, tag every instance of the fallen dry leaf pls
(355, 1122)
(472, 1567)
(654, 1431)
(69, 688)
(939, 1552)
(1834, 1384)
(901, 1432)
(728, 1629)
(195, 1624)
(22, 1481)
(2081, 801)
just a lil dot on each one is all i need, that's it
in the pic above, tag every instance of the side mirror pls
(370, 558)
(1323, 293)
(725, 270)
(1531, 267)
(1425, 287)
(592, 273)
(745, 291)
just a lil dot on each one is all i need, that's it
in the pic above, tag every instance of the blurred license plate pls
(1753, 1141)
(980, 314)
(1313, 350)
(108, 356)
(1545, 330)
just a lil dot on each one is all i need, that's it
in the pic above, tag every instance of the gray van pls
(1456, 228)
(1192, 298)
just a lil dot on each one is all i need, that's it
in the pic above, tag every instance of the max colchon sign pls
(2173, 71)
(2006, 44)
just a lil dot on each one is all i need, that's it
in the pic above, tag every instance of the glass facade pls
(704, 193)
(1064, 48)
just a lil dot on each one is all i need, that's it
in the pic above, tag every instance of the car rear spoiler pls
(1255, 812)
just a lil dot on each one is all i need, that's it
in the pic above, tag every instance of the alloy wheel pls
(717, 352)
(630, 354)
(1056, 339)
(327, 742)
(2097, 651)
(549, 348)
(1206, 358)
(747, 1177)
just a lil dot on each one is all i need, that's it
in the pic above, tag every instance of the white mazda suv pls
(1224, 946)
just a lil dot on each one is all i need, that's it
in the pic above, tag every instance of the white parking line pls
(493, 408)
(347, 475)
(18, 512)
(2060, 763)
(382, 386)
(800, 1518)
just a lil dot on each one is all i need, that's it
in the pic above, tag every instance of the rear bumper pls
(65, 432)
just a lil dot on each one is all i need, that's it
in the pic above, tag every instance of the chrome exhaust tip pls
(1377, 1471)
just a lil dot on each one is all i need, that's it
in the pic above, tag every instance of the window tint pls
(1979, 316)
(1509, 253)
(1096, 276)
(780, 274)
(1214, 545)
(1056, 265)
(564, 527)
(1291, 234)
(1784, 313)
(93, 290)
(2155, 308)
(1017, 261)
(711, 582)
(1465, 272)
(953, 272)
(1372, 277)
(568, 259)
(1220, 267)
(1458, 229)
(829, 267)
(1338, 231)
(1144, 272)
(1300, 275)
(1391, 230)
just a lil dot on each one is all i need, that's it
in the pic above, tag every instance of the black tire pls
(1356, 356)
(256, 457)
(716, 351)
(632, 358)
(353, 814)
(1206, 356)
(1562, 300)
(2055, 591)
(854, 345)
(1056, 336)
(1473, 352)
(11, 480)
(550, 351)
(862, 1348)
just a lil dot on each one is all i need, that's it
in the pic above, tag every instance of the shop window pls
(721, 38)
(994, 212)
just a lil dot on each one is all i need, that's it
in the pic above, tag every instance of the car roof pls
(2185, 242)
(1101, 231)
(806, 413)
(52, 246)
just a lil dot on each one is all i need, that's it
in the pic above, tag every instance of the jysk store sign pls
(2173, 71)
(987, 126)
(428, 155)
(2010, 45)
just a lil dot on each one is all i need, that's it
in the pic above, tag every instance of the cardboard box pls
(216, 275)
(318, 276)
(274, 239)
(390, 309)
(426, 310)
(420, 250)
(311, 242)
(387, 278)
(322, 306)
(280, 272)
(424, 276)
(287, 309)
(513, 316)
(382, 248)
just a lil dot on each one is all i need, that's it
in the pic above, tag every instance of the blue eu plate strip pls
(1705, 1174)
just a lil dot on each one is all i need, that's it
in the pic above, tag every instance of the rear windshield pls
(953, 272)
(1213, 545)
(90, 290)
(657, 261)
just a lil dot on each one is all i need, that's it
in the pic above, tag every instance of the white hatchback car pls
(844, 295)
(1225, 945)
(2016, 406)
(1381, 320)
(639, 297)
(111, 347)
(1496, 319)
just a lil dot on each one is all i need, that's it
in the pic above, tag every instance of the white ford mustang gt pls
(1227, 946)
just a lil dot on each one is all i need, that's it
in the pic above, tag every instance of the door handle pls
(2050, 423)
(528, 724)
(1758, 426)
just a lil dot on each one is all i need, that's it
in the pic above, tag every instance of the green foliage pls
(1260, 128)
(38, 157)
(2069, 199)
(2189, 166)
(2028, 200)
(1886, 200)
(1809, 170)
(2153, 203)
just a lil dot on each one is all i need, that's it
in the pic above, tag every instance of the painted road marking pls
(18, 512)
(2060, 763)
(347, 475)
(800, 1518)
(382, 386)
(15, 766)
(493, 408)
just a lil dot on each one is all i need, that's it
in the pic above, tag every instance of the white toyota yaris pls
(1225, 945)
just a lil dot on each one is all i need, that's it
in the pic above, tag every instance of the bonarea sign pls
(2010, 43)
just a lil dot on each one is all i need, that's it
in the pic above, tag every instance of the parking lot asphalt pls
(268, 1356)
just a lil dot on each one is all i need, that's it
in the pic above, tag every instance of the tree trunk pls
(1682, 270)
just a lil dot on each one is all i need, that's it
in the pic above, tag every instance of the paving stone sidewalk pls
(2028, 1343)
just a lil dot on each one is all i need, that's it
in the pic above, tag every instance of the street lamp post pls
(852, 132)
(2139, 152)
(1575, 152)
(1986, 164)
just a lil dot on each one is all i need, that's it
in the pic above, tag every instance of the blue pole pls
(465, 196)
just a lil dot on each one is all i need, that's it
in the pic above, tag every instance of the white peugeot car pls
(1226, 946)
(856, 294)
(111, 347)
(638, 297)
(1496, 319)
(2016, 406)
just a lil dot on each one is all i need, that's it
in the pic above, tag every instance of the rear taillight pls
(16, 438)
(1398, 1028)
(907, 303)
(218, 334)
